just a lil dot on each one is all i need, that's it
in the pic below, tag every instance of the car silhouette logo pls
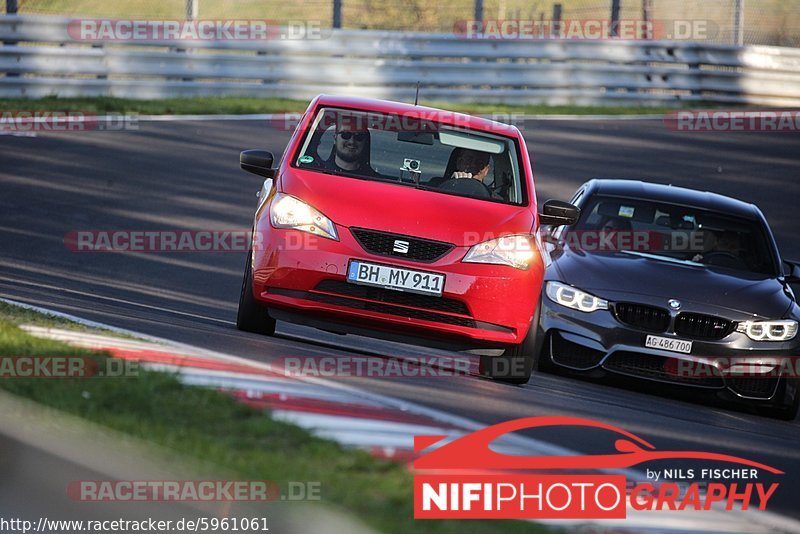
(674, 304)
(400, 246)
(473, 451)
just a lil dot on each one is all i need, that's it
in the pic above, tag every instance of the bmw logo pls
(674, 304)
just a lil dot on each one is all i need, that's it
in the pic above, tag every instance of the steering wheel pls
(724, 259)
(466, 186)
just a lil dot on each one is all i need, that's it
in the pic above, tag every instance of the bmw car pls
(673, 285)
(405, 223)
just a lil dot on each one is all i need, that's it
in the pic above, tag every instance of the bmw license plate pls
(399, 279)
(668, 343)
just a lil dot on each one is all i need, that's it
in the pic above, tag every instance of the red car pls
(405, 223)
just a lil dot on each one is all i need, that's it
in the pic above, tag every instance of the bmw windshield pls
(414, 152)
(672, 233)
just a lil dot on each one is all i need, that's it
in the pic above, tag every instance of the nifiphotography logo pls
(467, 479)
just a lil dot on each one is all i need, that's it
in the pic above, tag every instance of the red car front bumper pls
(490, 305)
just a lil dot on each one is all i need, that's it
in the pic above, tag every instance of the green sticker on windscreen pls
(626, 211)
(305, 159)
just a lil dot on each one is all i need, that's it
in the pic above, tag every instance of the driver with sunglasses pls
(351, 151)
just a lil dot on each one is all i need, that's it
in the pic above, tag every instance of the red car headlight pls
(289, 212)
(515, 250)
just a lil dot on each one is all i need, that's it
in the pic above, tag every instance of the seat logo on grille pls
(400, 246)
(674, 304)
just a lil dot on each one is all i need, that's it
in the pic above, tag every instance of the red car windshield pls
(413, 152)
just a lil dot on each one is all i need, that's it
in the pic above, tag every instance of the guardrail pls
(40, 59)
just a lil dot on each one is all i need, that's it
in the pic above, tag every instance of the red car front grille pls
(416, 248)
(393, 302)
(409, 305)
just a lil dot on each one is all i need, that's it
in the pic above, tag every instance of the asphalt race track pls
(185, 175)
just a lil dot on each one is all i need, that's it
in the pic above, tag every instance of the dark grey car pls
(673, 285)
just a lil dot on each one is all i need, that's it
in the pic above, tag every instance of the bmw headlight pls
(514, 250)
(289, 212)
(783, 330)
(574, 298)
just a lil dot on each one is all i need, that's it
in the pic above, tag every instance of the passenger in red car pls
(471, 164)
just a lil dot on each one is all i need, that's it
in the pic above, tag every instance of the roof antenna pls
(416, 97)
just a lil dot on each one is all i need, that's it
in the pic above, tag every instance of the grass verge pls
(212, 427)
(19, 315)
(244, 105)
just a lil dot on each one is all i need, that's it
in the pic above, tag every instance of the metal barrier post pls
(738, 22)
(191, 9)
(479, 10)
(647, 17)
(614, 29)
(337, 13)
(555, 27)
(11, 9)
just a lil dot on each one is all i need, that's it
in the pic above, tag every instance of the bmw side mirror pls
(791, 272)
(559, 213)
(258, 162)
(791, 279)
